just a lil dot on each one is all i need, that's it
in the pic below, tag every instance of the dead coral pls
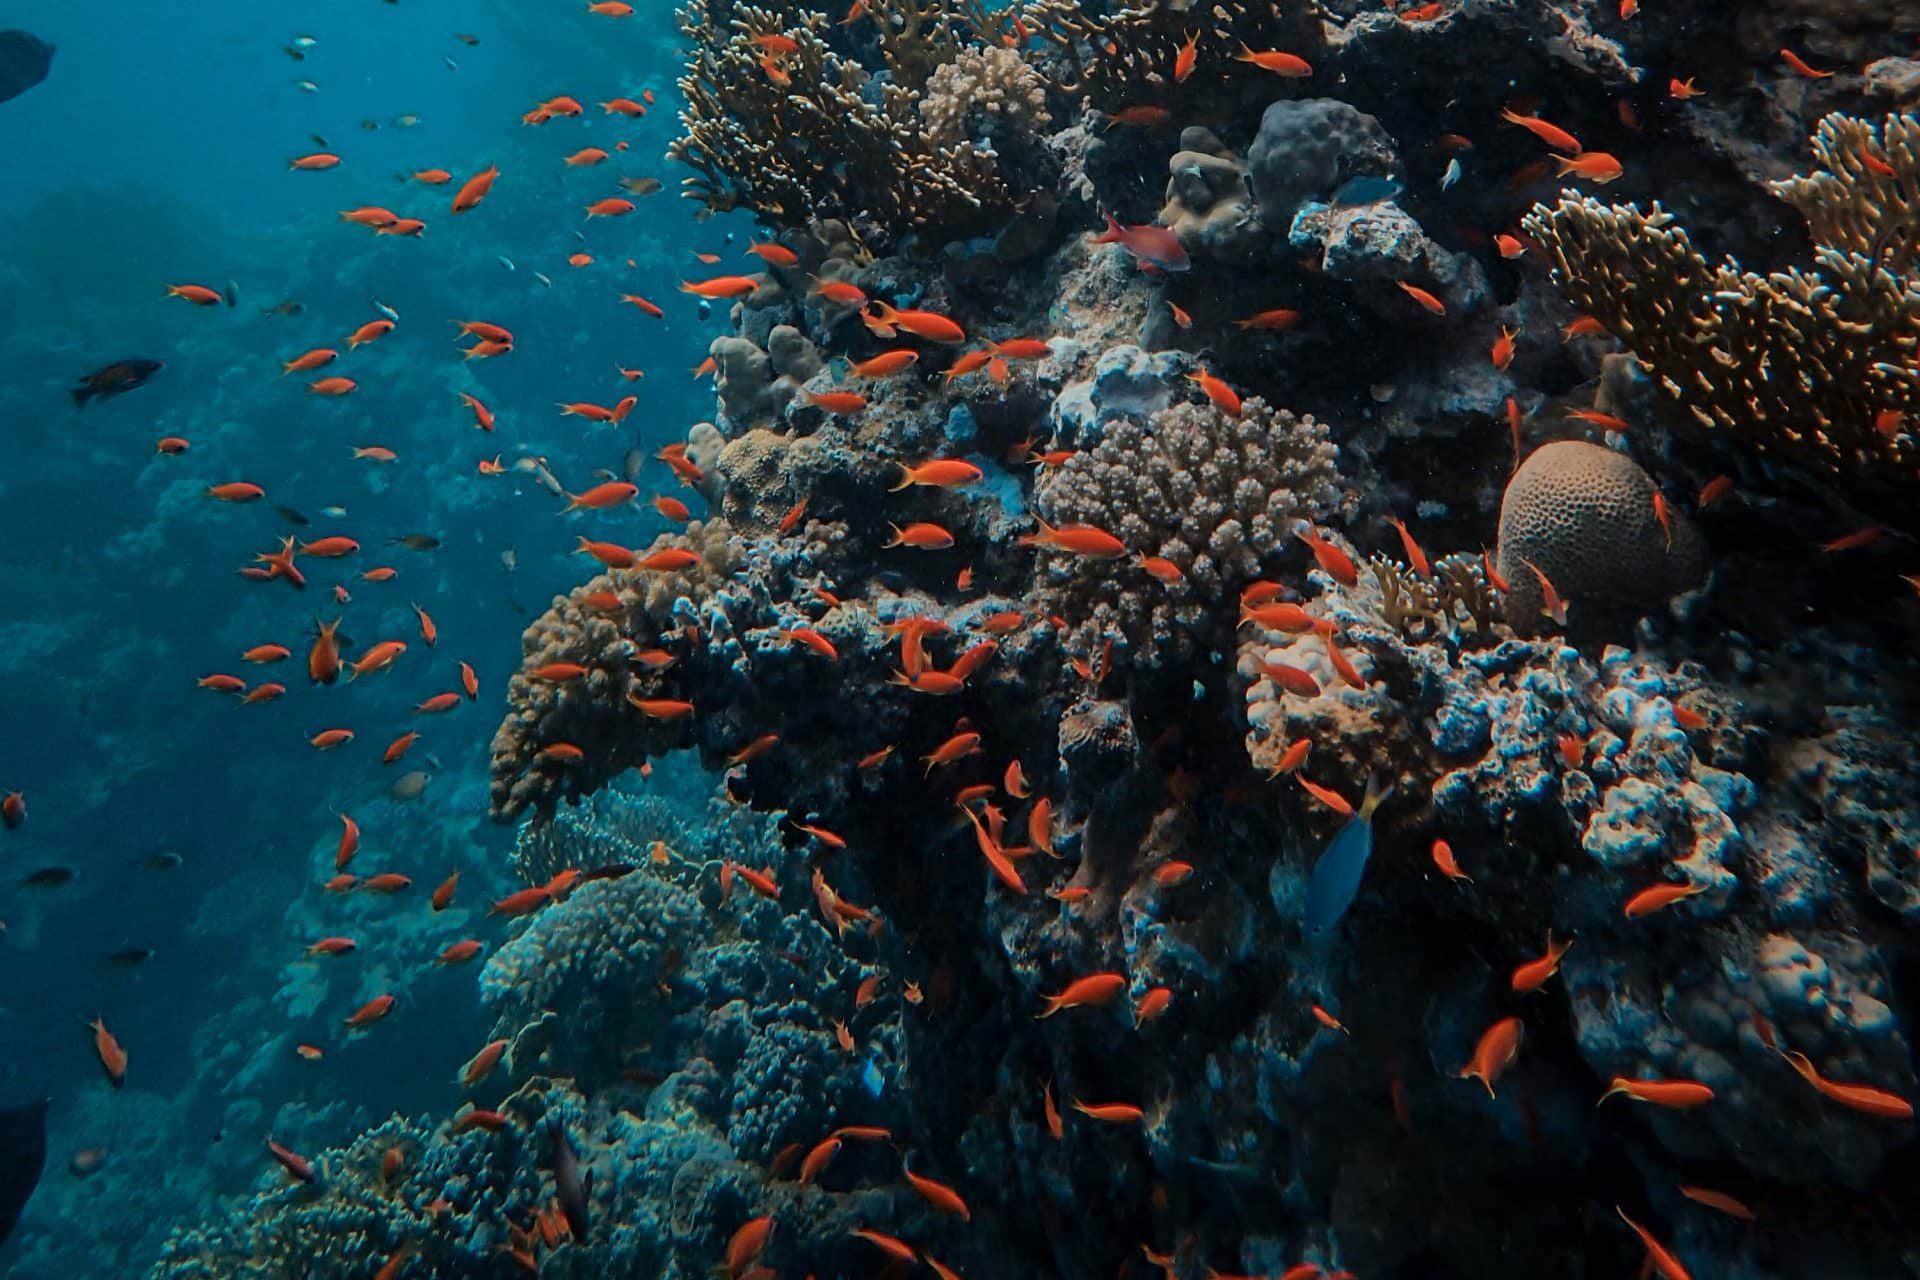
(1807, 367)
(1209, 493)
(810, 135)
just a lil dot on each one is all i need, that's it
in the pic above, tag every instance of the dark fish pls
(608, 871)
(23, 1154)
(294, 53)
(641, 186)
(465, 39)
(321, 142)
(119, 377)
(1365, 190)
(287, 308)
(573, 1191)
(232, 294)
(131, 958)
(47, 877)
(632, 465)
(369, 125)
(291, 516)
(416, 541)
(165, 860)
(601, 473)
(24, 60)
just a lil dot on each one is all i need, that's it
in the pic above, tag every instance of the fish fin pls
(1378, 790)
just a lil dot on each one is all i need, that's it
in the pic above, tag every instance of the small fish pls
(1452, 175)
(47, 878)
(115, 379)
(131, 957)
(416, 541)
(1365, 190)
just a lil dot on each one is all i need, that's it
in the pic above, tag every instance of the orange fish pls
(1328, 1021)
(1326, 796)
(113, 1058)
(1719, 1200)
(524, 902)
(1427, 301)
(1551, 134)
(611, 207)
(1444, 860)
(1291, 679)
(331, 947)
(1076, 539)
(1095, 991)
(481, 1065)
(1224, 398)
(315, 162)
(943, 473)
(1292, 758)
(443, 892)
(371, 1012)
(721, 286)
(482, 416)
(236, 491)
(1856, 1097)
(1416, 557)
(1659, 896)
(308, 361)
(1184, 59)
(1281, 64)
(1337, 563)
(1534, 974)
(1854, 541)
(475, 189)
(371, 331)
(1281, 615)
(1509, 246)
(1680, 1095)
(938, 1194)
(1595, 166)
(921, 535)
(1502, 353)
(1110, 1112)
(1498, 1048)
(333, 387)
(1714, 491)
(836, 401)
(328, 739)
(883, 319)
(459, 952)
(1658, 1256)
(1276, 320)
(349, 843)
(1551, 605)
(1680, 90)
(1801, 67)
(1051, 1113)
(469, 682)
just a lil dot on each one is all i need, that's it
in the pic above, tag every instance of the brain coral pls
(1584, 515)
(1210, 493)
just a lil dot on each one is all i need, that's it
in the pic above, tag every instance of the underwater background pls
(939, 637)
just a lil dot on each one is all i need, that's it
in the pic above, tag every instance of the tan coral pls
(1213, 495)
(1798, 365)
(816, 142)
(1584, 516)
(984, 91)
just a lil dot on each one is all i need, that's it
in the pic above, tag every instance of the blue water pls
(156, 153)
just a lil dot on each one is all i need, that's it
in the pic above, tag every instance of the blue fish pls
(1365, 190)
(1336, 876)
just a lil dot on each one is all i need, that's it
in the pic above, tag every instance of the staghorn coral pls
(821, 145)
(1798, 365)
(1584, 516)
(985, 93)
(1210, 493)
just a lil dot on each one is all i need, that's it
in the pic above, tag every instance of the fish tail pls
(81, 394)
(906, 478)
(1378, 789)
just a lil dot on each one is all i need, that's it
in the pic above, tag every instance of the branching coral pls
(985, 92)
(808, 136)
(1209, 493)
(1809, 367)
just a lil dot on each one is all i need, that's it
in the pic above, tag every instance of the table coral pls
(1797, 365)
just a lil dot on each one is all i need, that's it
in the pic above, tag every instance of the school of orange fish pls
(1154, 248)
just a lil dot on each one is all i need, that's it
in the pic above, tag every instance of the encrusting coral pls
(1815, 368)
